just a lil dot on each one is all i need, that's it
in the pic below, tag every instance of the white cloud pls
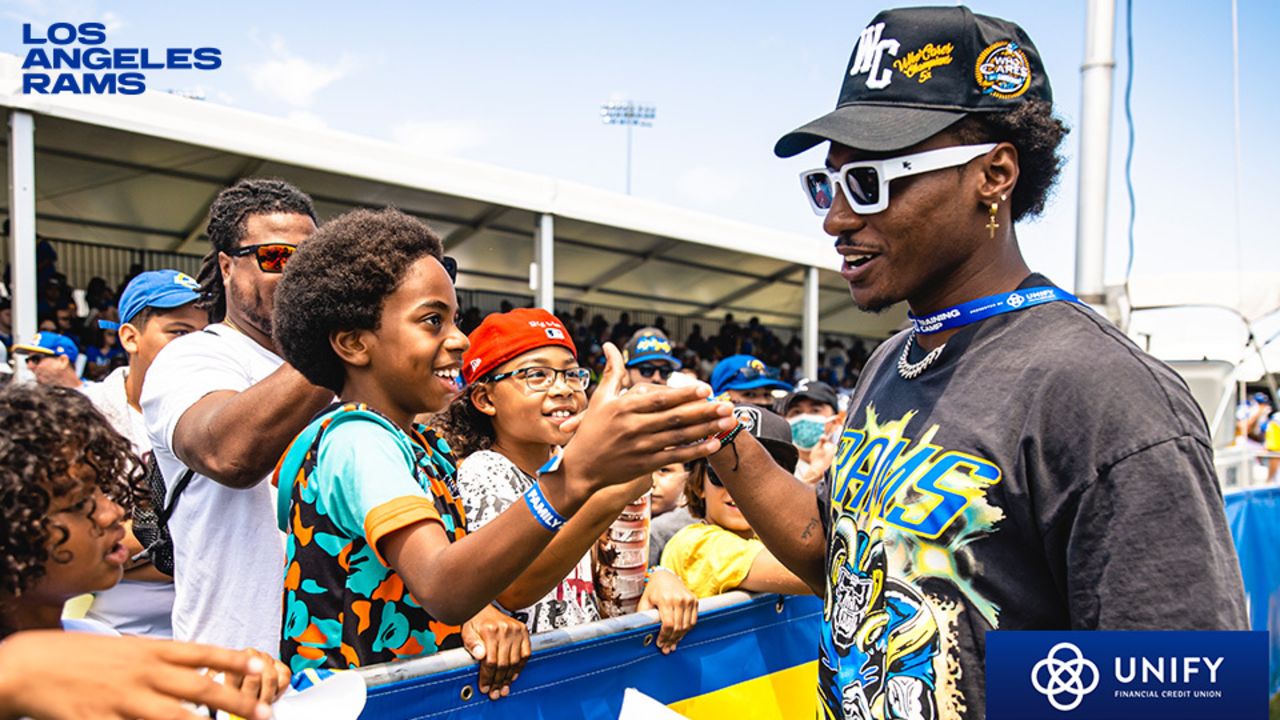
(709, 188)
(438, 138)
(296, 80)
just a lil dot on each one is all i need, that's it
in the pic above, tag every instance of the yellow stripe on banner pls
(789, 694)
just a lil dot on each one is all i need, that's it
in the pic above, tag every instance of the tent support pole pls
(542, 275)
(22, 226)
(809, 341)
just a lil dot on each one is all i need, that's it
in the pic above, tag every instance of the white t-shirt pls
(133, 607)
(228, 553)
(490, 483)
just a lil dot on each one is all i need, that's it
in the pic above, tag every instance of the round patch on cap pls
(1002, 70)
(749, 417)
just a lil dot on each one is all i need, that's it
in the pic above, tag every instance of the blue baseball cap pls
(743, 372)
(158, 289)
(649, 345)
(48, 343)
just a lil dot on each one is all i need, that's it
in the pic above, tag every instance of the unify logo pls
(1054, 677)
(870, 53)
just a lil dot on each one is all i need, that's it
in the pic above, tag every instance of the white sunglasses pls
(866, 183)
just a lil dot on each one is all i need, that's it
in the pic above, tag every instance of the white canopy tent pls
(140, 171)
(1206, 315)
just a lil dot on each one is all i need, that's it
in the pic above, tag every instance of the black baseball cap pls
(772, 431)
(649, 345)
(916, 71)
(816, 391)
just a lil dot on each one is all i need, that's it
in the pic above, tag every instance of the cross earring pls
(992, 224)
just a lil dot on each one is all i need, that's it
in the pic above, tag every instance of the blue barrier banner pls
(1169, 675)
(767, 637)
(1254, 518)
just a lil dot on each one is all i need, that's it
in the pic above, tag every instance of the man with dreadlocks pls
(223, 405)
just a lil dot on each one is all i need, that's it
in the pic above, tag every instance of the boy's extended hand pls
(55, 675)
(501, 645)
(677, 608)
(623, 436)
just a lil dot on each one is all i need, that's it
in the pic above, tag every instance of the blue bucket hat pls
(162, 289)
(743, 372)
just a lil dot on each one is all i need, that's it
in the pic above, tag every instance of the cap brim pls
(31, 350)
(757, 383)
(877, 128)
(652, 358)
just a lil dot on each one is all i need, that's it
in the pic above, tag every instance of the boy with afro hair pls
(379, 564)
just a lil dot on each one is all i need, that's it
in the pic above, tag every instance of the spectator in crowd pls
(222, 405)
(524, 382)
(52, 359)
(62, 470)
(6, 369)
(156, 308)
(56, 675)
(668, 504)
(1271, 444)
(649, 357)
(813, 413)
(6, 322)
(1079, 504)
(667, 493)
(98, 295)
(721, 553)
(368, 312)
(745, 380)
(103, 353)
(621, 329)
(1254, 418)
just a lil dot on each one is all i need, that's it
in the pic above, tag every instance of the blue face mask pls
(806, 430)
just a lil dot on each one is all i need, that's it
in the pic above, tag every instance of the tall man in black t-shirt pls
(1010, 462)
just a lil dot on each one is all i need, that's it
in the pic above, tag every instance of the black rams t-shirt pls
(1043, 474)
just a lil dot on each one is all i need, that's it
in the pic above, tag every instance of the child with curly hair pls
(64, 475)
(67, 483)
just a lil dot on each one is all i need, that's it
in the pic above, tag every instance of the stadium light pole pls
(630, 114)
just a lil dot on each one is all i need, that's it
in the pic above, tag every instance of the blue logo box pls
(1091, 675)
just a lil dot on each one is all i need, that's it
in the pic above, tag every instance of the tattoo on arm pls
(808, 529)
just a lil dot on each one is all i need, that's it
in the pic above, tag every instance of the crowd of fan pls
(346, 454)
(87, 318)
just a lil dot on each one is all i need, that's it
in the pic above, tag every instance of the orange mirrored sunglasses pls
(271, 256)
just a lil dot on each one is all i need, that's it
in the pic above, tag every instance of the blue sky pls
(519, 84)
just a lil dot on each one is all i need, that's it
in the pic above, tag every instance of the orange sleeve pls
(394, 515)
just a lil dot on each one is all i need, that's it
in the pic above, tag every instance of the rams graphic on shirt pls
(901, 509)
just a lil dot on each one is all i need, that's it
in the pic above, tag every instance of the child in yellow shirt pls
(721, 553)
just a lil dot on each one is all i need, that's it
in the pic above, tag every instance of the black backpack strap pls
(177, 491)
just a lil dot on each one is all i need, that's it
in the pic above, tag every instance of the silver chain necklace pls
(912, 370)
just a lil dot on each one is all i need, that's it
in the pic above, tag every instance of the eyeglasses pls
(272, 257)
(866, 183)
(715, 479)
(541, 379)
(33, 359)
(647, 370)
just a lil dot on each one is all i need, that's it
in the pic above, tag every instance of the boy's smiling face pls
(415, 354)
